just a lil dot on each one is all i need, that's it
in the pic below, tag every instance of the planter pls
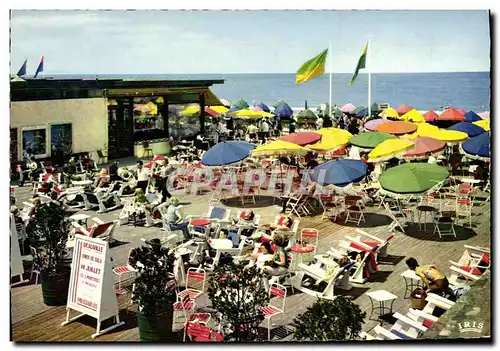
(156, 327)
(55, 288)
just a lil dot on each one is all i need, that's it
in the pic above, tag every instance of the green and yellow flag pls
(361, 64)
(312, 68)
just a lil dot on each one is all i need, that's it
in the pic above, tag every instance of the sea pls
(423, 91)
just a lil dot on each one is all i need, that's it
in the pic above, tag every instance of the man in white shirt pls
(142, 177)
(264, 129)
(319, 123)
(354, 153)
(431, 159)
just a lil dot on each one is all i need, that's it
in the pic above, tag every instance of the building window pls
(61, 138)
(148, 120)
(13, 145)
(183, 120)
(35, 141)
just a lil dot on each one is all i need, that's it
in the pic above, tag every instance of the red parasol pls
(402, 109)
(431, 116)
(396, 128)
(302, 138)
(452, 114)
(424, 145)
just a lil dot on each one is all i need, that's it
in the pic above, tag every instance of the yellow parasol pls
(389, 112)
(279, 148)
(245, 113)
(194, 109)
(388, 149)
(413, 116)
(450, 136)
(423, 129)
(485, 124)
(331, 140)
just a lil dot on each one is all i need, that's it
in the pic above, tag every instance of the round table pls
(300, 249)
(200, 222)
(425, 210)
(220, 244)
(83, 183)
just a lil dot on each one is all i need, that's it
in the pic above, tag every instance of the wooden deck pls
(33, 321)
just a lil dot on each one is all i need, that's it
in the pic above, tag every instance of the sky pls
(170, 42)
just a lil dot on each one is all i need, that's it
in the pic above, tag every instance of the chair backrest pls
(92, 198)
(309, 233)
(195, 278)
(197, 330)
(101, 229)
(217, 212)
(279, 291)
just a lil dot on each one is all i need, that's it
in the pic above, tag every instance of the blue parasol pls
(283, 110)
(264, 107)
(478, 147)
(227, 152)
(339, 172)
(468, 128)
(234, 109)
(471, 116)
(362, 113)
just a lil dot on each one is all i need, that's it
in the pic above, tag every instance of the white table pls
(382, 297)
(470, 180)
(412, 281)
(221, 244)
(80, 217)
(83, 183)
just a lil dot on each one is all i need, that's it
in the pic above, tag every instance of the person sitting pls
(48, 181)
(15, 212)
(103, 180)
(265, 249)
(267, 231)
(245, 223)
(174, 218)
(434, 280)
(113, 172)
(280, 262)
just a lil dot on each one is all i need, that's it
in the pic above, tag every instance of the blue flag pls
(22, 70)
(40, 67)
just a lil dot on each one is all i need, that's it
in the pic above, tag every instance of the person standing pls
(142, 176)
(319, 123)
(265, 129)
(291, 126)
(165, 171)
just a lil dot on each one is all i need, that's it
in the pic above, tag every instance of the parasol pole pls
(330, 68)
(368, 66)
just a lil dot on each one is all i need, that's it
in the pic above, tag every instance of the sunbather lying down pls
(333, 269)
(266, 231)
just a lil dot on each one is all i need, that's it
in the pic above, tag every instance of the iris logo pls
(465, 327)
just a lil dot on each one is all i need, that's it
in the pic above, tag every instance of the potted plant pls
(328, 320)
(48, 234)
(154, 291)
(237, 292)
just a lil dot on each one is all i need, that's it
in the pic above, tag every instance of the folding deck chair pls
(104, 202)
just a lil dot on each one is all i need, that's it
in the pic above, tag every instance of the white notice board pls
(91, 288)
(16, 262)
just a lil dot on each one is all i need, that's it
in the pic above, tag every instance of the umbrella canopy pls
(452, 114)
(362, 113)
(424, 129)
(279, 147)
(450, 136)
(283, 110)
(462, 110)
(388, 149)
(241, 103)
(470, 129)
(233, 109)
(264, 107)
(256, 108)
(339, 172)
(302, 138)
(402, 109)
(226, 153)
(279, 103)
(413, 116)
(471, 116)
(225, 102)
(370, 140)
(431, 116)
(485, 114)
(396, 128)
(211, 110)
(358, 109)
(372, 125)
(423, 145)
(375, 107)
(306, 114)
(389, 112)
(244, 113)
(478, 147)
(484, 123)
(410, 178)
(348, 108)
(332, 139)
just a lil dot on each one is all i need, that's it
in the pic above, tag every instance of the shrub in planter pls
(154, 291)
(328, 320)
(237, 292)
(48, 234)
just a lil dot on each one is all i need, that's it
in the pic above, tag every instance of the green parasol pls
(411, 178)
(241, 103)
(307, 114)
(369, 140)
(374, 107)
(278, 103)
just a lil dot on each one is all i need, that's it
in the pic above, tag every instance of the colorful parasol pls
(423, 145)
(470, 129)
(226, 153)
(478, 147)
(452, 114)
(339, 172)
(372, 125)
(244, 113)
(484, 123)
(471, 116)
(413, 116)
(388, 149)
(450, 136)
(302, 138)
(484, 115)
(369, 140)
(241, 103)
(396, 128)
(348, 108)
(411, 178)
(332, 139)
(389, 112)
(279, 147)
(225, 102)
(431, 116)
(424, 129)
(402, 109)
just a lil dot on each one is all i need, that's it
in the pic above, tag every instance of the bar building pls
(118, 116)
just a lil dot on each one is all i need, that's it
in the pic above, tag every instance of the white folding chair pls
(275, 308)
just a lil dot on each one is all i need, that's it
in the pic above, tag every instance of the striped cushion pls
(178, 306)
(121, 270)
(427, 323)
(191, 293)
(401, 335)
(268, 310)
(469, 269)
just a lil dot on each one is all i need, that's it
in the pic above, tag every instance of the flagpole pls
(369, 63)
(330, 68)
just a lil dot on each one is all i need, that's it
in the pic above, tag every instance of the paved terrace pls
(33, 321)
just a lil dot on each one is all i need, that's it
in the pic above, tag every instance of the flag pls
(22, 70)
(361, 65)
(40, 67)
(312, 68)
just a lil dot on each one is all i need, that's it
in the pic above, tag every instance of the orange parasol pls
(396, 128)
